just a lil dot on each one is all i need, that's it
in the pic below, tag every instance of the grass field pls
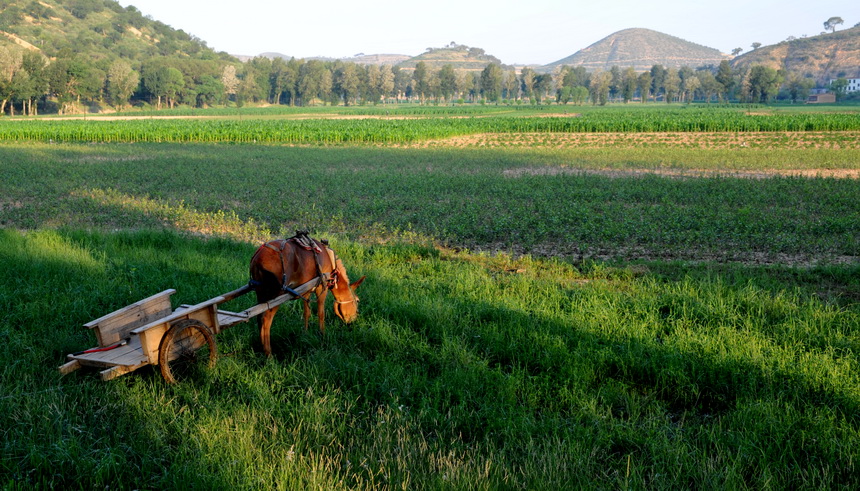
(646, 310)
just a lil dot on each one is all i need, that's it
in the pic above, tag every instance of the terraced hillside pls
(829, 55)
(641, 49)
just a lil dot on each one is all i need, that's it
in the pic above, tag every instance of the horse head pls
(345, 299)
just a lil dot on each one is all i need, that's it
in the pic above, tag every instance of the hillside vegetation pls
(823, 57)
(460, 57)
(98, 29)
(641, 49)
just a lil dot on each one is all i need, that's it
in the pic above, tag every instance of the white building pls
(853, 84)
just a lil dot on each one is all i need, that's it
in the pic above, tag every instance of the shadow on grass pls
(486, 364)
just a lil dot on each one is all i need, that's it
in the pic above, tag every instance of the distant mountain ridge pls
(823, 57)
(361, 58)
(641, 49)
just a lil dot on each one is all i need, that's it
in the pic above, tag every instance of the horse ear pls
(357, 283)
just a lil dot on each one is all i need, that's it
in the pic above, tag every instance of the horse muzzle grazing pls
(280, 266)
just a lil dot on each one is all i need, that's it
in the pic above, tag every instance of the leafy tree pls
(122, 81)
(575, 76)
(228, 79)
(67, 78)
(643, 82)
(402, 80)
(839, 86)
(82, 8)
(467, 83)
(511, 85)
(10, 63)
(527, 82)
(286, 79)
(37, 82)
(599, 87)
(209, 91)
(447, 81)
(615, 83)
(629, 81)
(491, 82)
(658, 79)
(762, 84)
(725, 78)
(578, 95)
(832, 22)
(737, 51)
(756, 45)
(370, 77)
(543, 84)
(259, 69)
(709, 85)
(798, 87)
(421, 80)
(671, 84)
(347, 81)
(10, 15)
(689, 86)
(386, 82)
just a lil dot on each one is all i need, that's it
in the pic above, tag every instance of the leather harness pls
(301, 239)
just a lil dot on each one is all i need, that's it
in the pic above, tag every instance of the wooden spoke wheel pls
(187, 347)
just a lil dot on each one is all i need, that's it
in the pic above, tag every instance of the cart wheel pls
(186, 346)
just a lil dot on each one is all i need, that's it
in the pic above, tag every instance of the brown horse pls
(281, 265)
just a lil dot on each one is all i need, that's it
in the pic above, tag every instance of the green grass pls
(520, 200)
(663, 331)
(459, 374)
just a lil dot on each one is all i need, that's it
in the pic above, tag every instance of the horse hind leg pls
(306, 309)
(265, 322)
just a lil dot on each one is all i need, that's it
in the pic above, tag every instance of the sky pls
(520, 32)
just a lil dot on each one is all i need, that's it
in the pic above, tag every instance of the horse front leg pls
(265, 322)
(321, 295)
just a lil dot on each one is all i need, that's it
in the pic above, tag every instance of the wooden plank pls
(286, 297)
(114, 327)
(150, 339)
(115, 371)
(130, 354)
(69, 367)
(237, 293)
(93, 323)
(256, 310)
(227, 319)
(192, 312)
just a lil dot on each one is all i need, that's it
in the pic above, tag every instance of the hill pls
(641, 49)
(94, 29)
(460, 56)
(822, 57)
(361, 58)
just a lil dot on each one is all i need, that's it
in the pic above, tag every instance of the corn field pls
(400, 130)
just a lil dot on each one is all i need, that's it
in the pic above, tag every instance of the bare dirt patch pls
(628, 254)
(10, 204)
(681, 173)
(806, 139)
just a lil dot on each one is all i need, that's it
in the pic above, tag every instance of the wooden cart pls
(150, 332)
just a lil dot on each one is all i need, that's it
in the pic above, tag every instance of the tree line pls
(29, 81)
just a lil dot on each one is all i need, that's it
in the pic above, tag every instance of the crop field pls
(625, 297)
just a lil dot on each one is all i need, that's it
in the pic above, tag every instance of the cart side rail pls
(116, 326)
